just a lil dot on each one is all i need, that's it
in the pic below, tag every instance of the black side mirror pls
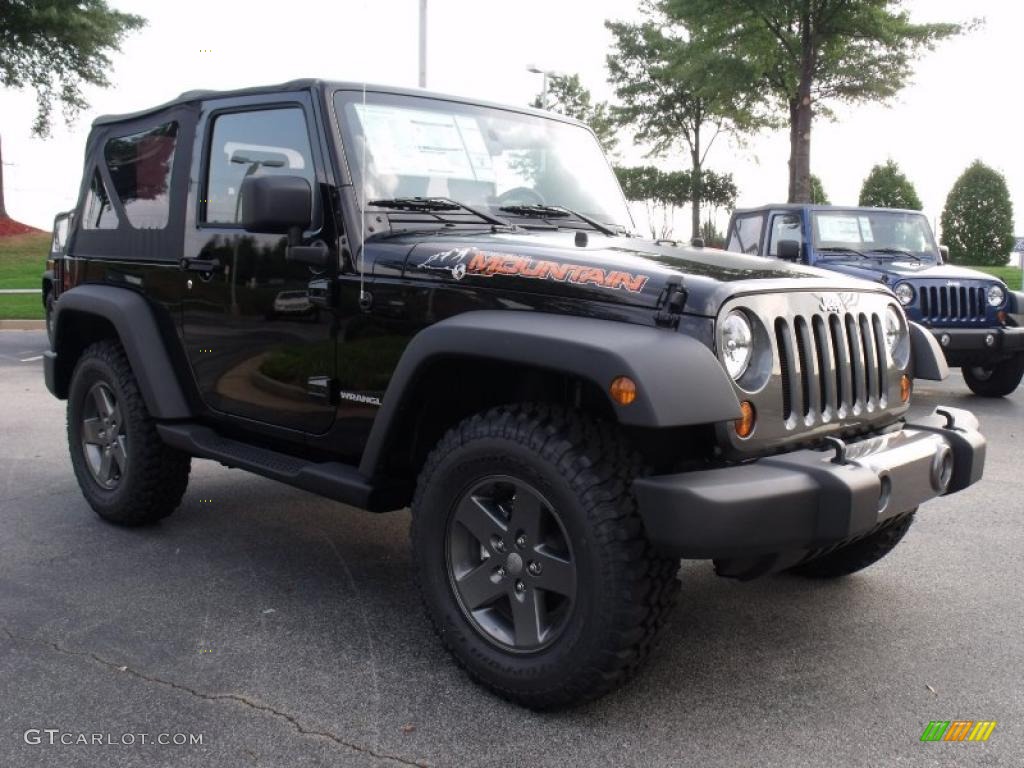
(944, 253)
(789, 250)
(276, 204)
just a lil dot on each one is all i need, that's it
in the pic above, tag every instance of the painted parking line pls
(32, 359)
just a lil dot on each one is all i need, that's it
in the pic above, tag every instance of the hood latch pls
(671, 301)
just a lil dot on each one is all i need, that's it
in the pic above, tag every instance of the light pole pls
(545, 73)
(423, 43)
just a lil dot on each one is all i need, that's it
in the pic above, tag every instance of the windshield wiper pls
(841, 249)
(436, 205)
(556, 211)
(897, 252)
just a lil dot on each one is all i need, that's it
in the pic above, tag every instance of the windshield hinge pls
(671, 301)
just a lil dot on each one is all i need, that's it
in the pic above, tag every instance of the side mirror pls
(276, 204)
(789, 250)
(944, 253)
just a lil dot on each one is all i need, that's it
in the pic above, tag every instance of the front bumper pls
(994, 341)
(805, 500)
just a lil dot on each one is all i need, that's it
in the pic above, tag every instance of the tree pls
(674, 94)
(567, 95)
(818, 196)
(55, 47)
(810, 53)
(887, 187)
(977, 222)
(663, 192)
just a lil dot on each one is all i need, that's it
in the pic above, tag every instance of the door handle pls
(201, 265)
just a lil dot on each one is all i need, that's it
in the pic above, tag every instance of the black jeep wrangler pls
(568, 409)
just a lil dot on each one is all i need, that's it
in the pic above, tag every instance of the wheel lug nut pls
(520, 587)
(501, 572)
(497, 544)
(534, 568)
(521, 540)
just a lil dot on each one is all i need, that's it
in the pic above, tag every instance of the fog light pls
(942, 469)
(990, 340)
(745, 423)
(944, 340)
(623, 390)
(905, 386)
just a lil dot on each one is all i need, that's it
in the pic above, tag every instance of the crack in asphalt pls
(236, 697)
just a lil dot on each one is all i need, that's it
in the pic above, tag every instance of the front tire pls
(997, 380)
(531, 558)
(859, 554)
(126, 472)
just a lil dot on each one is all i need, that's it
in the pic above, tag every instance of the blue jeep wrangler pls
(975, 318)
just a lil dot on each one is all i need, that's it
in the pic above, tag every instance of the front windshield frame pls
(617, 213)
(869, 247)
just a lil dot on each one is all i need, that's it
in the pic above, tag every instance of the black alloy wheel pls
(510, 564)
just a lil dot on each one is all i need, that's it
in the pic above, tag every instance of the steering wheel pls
(520, 196)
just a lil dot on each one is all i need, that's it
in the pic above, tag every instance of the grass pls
(23, 259)
(1009, 275)
(21, 306)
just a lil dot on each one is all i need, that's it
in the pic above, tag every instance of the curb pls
(22, 325)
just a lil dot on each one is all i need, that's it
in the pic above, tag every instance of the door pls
(256, 326)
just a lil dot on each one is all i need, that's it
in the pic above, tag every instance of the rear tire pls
(537, 501)
(857, 555)
(126, 472)
(998, 380)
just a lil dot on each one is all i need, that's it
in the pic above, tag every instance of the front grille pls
(944, 303)
(831, 365)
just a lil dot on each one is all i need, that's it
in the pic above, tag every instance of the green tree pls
(887, 187)
(55, 47)
(809, 53)
(676, 95)
(568, 96)
(664, 192)
(977, 222)
(818, 195)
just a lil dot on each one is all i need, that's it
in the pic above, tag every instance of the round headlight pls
(737, 343)
(905, 293)
(995, 295)
(897, 338)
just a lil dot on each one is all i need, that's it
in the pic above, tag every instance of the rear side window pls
(140, 169)
(745, 235)
(259, 143)
(98, 213)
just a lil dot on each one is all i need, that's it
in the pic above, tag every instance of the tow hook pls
(950, 419)
(840, 446)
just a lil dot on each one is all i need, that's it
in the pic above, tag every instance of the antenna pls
(362, 211)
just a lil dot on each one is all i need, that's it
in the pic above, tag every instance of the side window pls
(97, 213)
(785, 226)
(140, 168)
(260, 143)
(745, 235)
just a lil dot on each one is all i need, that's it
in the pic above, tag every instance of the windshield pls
(878, 234)
(484, 157)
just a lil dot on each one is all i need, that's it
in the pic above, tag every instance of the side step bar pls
(332, 479)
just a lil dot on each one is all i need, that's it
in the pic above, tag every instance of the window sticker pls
(414, 142)
(865, 229)
(839, 229)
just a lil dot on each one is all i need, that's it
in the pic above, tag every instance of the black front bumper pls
(977, 344)
(805, 500)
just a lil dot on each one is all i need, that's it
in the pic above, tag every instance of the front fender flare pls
(679, 380)
(927, 358)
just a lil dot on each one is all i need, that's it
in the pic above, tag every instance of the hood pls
(620, 270)
(890, 271)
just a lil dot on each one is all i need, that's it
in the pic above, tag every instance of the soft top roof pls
(815, 207)
(191, 97)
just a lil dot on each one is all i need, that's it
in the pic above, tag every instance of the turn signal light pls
(745, 423)
(905, 386)
(1001, 317)
(623, 390)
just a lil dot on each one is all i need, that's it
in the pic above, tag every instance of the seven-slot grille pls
(832, 365)
(947, 302)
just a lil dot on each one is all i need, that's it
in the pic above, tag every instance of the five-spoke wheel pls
(103, 440)
(510, 563)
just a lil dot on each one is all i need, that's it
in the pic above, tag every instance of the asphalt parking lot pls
(285, 630)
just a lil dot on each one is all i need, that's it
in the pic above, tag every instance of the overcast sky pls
(966, 101)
